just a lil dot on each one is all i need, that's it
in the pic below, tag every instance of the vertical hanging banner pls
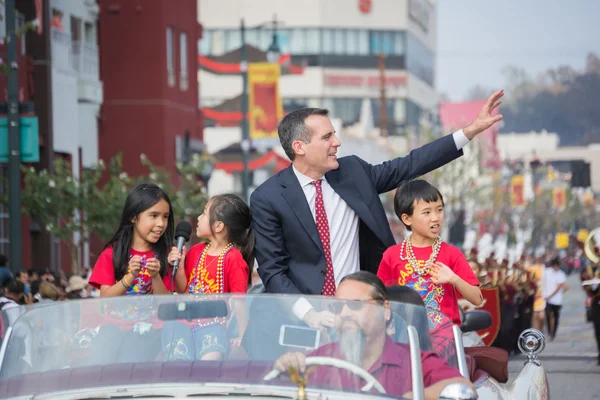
(559, 198)
(264, 103)
(517, 191)
(561, 240)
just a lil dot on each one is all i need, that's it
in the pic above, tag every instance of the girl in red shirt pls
(220, 265)
(134, 263)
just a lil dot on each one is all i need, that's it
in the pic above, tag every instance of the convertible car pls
(227, 345)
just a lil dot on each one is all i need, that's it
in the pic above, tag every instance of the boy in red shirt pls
(436, 270)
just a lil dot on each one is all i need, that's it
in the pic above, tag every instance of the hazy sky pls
(476, 38)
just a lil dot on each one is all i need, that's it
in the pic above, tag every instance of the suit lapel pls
(346, 187)
(294, 195)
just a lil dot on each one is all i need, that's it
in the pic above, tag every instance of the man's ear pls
(387, 313)
(299, 147)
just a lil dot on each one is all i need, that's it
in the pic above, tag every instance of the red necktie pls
(323, 227)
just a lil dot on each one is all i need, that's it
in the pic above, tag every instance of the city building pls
(59, 73)
(148, 63)
(330, 56)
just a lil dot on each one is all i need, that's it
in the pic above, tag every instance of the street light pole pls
(245, 143)
(273, 54)
(14, 141)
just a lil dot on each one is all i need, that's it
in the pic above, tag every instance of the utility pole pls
(245, 143)
(14, 141)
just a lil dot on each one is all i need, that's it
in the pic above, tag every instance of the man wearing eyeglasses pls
(361, 316)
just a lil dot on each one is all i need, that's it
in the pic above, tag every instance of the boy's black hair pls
(411, 192)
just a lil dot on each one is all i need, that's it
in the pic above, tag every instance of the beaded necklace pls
(196, 284)
(410, 255)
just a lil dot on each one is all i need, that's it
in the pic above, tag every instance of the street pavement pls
(569, 360)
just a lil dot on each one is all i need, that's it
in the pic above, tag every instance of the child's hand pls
(175, 255)
(135, 265)
(441, 274)
(153, 267)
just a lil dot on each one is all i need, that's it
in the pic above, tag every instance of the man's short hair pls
(411, 192)
(292, 128)
(555, 261)
(378, 289)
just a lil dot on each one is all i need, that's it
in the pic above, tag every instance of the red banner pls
(517, 191)
(264, 102)
(491, 304)
(559, 198)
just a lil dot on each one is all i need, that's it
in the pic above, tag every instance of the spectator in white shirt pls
(553, 286)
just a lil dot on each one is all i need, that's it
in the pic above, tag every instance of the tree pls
(72, 208)
(31, 25)
(562, 101)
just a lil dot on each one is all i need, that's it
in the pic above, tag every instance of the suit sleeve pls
(269, 248)
(391, 174)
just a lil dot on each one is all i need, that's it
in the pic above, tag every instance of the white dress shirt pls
(343, 227)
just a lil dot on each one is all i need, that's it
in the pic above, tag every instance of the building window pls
(339, 42)
(328, 41)
(204, 45)
(183, 62)
(170, 57)
(233, 40)
(308, 41)
(313, 41)
(419, 60)
(297, 41)
(382, 42)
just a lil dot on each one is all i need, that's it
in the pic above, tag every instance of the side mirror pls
(458, 391)
(476, 320)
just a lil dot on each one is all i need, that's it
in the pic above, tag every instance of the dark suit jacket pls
(288, 247)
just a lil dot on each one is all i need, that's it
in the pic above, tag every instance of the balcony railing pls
(80, 58)
(85, 60)
(62, 57)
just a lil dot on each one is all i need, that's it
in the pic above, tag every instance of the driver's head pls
(362, 319)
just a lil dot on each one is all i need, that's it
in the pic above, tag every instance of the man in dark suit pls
(321, 219)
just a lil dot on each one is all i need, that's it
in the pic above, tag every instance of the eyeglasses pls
(353, 305)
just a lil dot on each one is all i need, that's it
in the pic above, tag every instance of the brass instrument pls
(523, 277)
(494, 282)
(512, 277)
(484, 278)
(589, 249)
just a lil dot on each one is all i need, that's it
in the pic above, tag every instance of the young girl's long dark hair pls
(234, 213)
(141, 198)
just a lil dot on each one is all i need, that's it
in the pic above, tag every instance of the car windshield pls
(210, 341)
